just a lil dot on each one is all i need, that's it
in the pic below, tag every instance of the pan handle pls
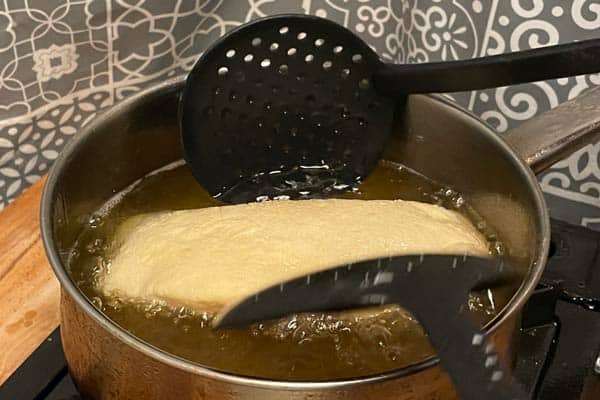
(550, 137)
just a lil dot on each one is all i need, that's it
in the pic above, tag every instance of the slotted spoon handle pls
(435, 288)
(464, 352)
(481, 73)
(485, 379)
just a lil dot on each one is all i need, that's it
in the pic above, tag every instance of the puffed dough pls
(208, 258)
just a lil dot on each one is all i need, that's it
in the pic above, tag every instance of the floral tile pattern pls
(64, 61)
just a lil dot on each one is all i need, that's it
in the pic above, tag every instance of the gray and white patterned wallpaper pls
(62, 62)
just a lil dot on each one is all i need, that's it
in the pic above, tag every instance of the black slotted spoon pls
(292, 93)
(294, 90)
(420, 284)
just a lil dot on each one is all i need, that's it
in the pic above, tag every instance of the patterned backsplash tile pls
(64, 62)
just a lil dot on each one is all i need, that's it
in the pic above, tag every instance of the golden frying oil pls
(312, 347)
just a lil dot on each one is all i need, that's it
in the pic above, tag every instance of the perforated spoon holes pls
(302, 67)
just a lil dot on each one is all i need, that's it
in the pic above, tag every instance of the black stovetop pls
(559, 346)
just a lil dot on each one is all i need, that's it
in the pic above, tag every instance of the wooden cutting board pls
(29, 292)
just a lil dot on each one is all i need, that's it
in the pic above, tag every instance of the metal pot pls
(431, 135)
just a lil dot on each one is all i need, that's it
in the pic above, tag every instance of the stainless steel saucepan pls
(431, 135)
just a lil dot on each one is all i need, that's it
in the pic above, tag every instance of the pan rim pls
(175, 85)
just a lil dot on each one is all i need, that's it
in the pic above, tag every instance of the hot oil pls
(305, 347)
